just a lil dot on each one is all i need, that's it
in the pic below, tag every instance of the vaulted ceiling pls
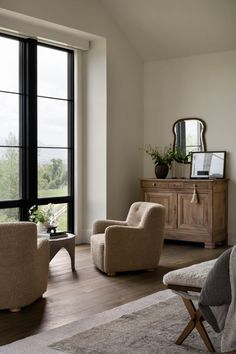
(164, 29)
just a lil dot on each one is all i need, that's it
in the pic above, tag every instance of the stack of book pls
(58, 234)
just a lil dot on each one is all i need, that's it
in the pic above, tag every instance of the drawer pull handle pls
(154, 184)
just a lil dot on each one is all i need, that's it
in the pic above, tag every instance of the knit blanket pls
(217, 300)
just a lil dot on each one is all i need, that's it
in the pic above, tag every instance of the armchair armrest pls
(43, 248)
(42, 243)
(118, 234)
(99, 226)
(127, 248)
(41, 263)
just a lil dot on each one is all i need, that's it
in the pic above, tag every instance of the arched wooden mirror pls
(188, 137)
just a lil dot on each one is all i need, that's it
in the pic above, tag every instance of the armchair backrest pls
(18, 242)
(145, 214)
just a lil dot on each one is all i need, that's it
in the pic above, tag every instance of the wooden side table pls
(64, 242)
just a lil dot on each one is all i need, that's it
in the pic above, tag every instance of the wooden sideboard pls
(203, 219)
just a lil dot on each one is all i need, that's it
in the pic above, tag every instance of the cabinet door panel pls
(193, 216)
(169, 200)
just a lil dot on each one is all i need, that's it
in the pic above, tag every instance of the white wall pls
(94, 132)
(199, 86)
(124, 120)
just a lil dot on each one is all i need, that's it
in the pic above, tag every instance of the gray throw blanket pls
(217, 300)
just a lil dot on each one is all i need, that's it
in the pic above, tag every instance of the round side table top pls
(46, 235)
(68, 237)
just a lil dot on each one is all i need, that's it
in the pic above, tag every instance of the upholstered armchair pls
(134, 244)
(24, 265)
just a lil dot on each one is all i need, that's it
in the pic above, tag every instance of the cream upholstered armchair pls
(24, 263)
(134, 244)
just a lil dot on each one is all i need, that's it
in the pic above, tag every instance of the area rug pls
(146, 326)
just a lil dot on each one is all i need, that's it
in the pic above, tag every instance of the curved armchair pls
(134, 244)
(24, 265)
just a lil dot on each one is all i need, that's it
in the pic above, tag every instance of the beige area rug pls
(146, 326)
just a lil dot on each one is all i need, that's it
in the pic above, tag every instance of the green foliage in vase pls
(160, 156)
(40, 214)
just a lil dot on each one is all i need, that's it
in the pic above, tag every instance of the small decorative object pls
(181, 165)
(52, 229)
(210, 164)
(194, 199)
(162, 159)
(43, 217)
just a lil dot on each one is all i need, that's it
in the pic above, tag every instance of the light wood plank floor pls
(87, 291)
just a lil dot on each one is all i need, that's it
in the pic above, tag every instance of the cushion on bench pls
(191, 276)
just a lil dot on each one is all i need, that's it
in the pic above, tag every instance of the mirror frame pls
(202, 135)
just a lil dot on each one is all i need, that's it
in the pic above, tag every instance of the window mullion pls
(71, 139)
(22, 137)
(31, 121)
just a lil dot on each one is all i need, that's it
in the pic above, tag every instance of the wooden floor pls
(87, 291)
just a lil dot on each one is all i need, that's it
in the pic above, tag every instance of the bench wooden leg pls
(196, 321)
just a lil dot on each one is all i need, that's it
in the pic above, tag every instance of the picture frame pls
(208, 165)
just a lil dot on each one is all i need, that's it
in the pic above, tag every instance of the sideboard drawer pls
(153, 184)
(175, 185)
(198, 185)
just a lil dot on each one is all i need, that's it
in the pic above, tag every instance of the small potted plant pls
(162, 159)
(43, 217)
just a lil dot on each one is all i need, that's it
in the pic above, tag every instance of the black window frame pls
(28, 132)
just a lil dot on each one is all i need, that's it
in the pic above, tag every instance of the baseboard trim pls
(83, 236)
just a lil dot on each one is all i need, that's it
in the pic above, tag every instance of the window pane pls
(52, 122)
(8, 215)
(9, 173)
(61, 216)
(9, 64)
(9, 119)
(52, 72)
(52, 172)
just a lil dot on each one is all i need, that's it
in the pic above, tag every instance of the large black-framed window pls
(36, 129)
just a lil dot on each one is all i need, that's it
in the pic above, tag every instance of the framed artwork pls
(210, 164)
